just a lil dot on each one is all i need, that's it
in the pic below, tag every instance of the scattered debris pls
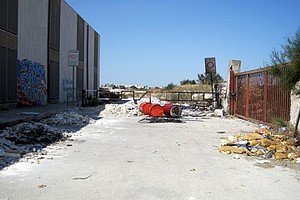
(30, 133)
(264, 143)
(83, 178)
(69, 118)
(236, 157)
(160, 120)
(29, 113)
(263, 161)
(29, 138)
(128, 109)
(163, 158)
(195, 110)
(26, 137)
(219, 112)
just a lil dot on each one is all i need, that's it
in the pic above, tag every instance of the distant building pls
(35, 38)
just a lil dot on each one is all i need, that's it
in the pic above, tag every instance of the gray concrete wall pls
(91, 58)
(68, 38)
(33, 30)
(99, 61)
(85, 56)
(295, 106)
(33, 42)
(234, 65)
(32, 46)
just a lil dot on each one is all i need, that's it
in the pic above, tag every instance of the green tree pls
(170, 86)
(133, 87)
(288, 57)
(205, 79)
(187, 81)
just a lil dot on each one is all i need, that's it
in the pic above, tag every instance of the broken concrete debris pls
(27, 137)
(194, 110)
(31, 137)
(263, 143)
(68, 118)
(128, 109)
(28, 133)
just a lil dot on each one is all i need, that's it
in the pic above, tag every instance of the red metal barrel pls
(144, 107)
(156, 111)
(172, 110)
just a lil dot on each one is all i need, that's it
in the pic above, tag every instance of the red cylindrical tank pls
(146, 108)
(156, 111)
(167, 108)
(142, 106)
(172, 110)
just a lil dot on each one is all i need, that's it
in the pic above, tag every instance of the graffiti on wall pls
(32, 88)
(67, 86)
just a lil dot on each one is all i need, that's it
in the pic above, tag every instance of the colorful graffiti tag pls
(32, 88)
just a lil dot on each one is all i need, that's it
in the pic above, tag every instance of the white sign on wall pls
(73, 58)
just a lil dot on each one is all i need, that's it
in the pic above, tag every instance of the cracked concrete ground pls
(120, 158)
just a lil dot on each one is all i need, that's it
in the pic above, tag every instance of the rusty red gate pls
(259, 96)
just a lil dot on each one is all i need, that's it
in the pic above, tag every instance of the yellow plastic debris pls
(254, 136)
(272, 147)
(229, 150)
(260, 152)
(281, 156)
(253, 142)
(263, 143)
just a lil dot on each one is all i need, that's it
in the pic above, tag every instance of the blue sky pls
(157, 42)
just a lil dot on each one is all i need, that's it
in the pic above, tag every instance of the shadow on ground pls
(34, 133)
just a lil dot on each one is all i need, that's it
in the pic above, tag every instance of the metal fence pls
(260, 96)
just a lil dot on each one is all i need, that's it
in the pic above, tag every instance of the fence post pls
(247, 95)
(232, 93)
(265, 96)
(83, 98)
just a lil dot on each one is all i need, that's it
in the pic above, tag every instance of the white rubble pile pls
(204, 112)
(69, 118)
(27, 137)
(194, 113)
(128, 109)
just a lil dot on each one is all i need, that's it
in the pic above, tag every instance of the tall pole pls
(73, 84)
(212, 88)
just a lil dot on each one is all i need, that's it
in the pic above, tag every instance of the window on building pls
(8, 77)
(80, 37)
(54, 32)
(9, 15)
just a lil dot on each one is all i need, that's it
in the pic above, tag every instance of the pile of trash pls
(195, 111)
(27, 137)
(68, 118)
(263, 143)
(128, 109)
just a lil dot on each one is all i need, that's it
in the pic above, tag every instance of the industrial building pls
(36, 37)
